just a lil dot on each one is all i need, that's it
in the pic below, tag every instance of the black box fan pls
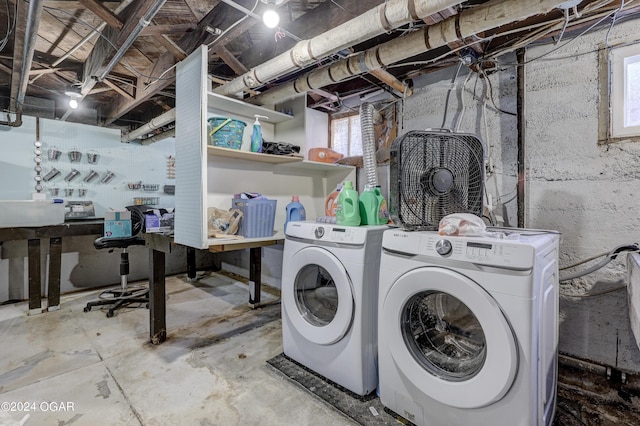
(434, 173)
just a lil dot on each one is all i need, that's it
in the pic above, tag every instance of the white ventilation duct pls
(467, 23)
(385, 17)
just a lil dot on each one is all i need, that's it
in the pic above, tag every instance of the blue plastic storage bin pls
(258, 217)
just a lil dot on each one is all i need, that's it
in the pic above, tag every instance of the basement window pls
(625, 91)
(346, 137)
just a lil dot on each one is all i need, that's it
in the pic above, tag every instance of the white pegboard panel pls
(128, 162)
(190, 224)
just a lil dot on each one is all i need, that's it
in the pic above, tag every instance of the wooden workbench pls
(55, 233)
(159, 245)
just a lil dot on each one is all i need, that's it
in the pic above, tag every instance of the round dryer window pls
(316, 295)
(444, 335)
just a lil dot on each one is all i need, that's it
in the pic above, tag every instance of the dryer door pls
(319, 299)
(449, 337)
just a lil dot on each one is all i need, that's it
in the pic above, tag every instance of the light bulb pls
(73, 103)
(271, 18)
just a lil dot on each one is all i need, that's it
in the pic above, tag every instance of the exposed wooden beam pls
(5, 69)
(44, 71)
(103, 13)
(231, 60)
(200, 8)
(118, 89)
(153, 30)
(392, 81)
(171, 46)
(68, 4)
(162, 72)
(102, 53)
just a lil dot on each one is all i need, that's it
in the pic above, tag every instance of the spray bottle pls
(256, 136)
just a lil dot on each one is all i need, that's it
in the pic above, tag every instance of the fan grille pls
(434, 174)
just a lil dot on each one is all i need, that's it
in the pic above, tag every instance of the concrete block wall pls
(587, 191)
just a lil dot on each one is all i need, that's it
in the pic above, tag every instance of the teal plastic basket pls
(225, 132)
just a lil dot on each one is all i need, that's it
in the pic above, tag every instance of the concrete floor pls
(72, 367)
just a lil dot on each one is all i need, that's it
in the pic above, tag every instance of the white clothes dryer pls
(329, 301)
(468, 328)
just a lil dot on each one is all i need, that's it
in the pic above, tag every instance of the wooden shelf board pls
(251, 156)
(219, 245)
(244, 109)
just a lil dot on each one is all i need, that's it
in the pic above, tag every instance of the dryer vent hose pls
(368, 143)
(609, 257)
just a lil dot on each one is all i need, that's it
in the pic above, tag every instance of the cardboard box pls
(158, 222)
(117, 224)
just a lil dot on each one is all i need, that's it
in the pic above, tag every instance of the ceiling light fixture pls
(270, 17)
(74, 96)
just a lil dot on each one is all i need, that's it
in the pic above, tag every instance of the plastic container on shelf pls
(258, 217)
(348, 211)
(256, 135)
(226, 132)
(294, 211)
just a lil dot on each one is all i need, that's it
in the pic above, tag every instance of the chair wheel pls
(147, 306)
(87, 308)
(110, 313)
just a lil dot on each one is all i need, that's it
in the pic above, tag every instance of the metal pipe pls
(31, 32)
(468, 23)
(156, 123)
(144, 21)
(385, 17)
(522, 170)
(15, 123)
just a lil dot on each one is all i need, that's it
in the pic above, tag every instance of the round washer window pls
(316, 295)
(443, 335)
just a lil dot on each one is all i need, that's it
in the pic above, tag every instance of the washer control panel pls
(327, 233)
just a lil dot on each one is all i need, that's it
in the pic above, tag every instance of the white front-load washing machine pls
(329, 301)
(468, 328)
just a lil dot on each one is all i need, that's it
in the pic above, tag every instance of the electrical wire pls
(452, 86)
(10, 25)
(613, 22)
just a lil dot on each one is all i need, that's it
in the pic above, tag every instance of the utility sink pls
(17, 213)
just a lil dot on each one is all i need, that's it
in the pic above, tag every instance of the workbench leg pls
(191, 263)
(55, 264)
(157, 298)
(35, 306)
(255, 272)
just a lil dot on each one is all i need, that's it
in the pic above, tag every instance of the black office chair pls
(125, 295)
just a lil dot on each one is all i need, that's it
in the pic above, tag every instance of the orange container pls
(331, 203)
(324, 155)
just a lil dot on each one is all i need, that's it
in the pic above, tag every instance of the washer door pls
(449, 337)
(319, 300)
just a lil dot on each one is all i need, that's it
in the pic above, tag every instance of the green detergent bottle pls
(369, 206)
(383, 210)
(348, 211)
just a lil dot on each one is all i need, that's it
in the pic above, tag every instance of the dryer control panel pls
(351, 235)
